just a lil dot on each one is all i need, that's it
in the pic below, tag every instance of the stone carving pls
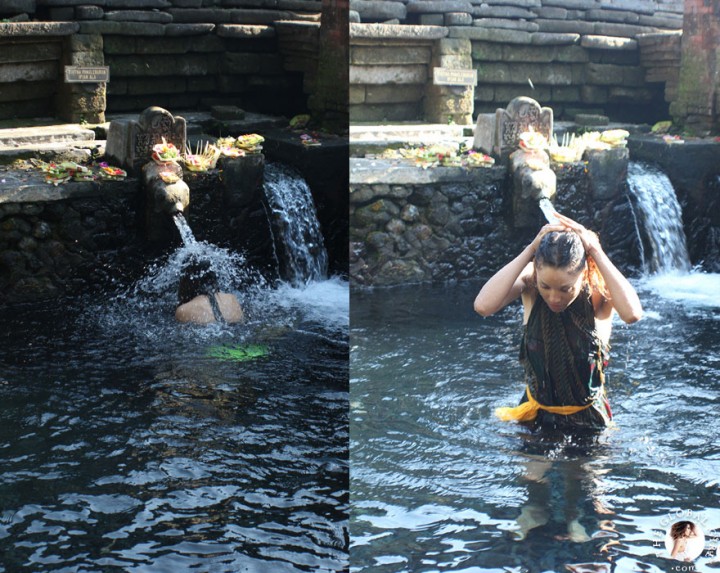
(130, 142)
(522, 114)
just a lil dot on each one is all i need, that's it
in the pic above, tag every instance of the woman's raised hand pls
(589, 239)
(549, 228)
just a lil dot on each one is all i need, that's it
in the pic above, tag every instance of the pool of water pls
(439, 484)
(129, 443)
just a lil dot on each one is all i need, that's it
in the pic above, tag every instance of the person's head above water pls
(562, 269)
(197, 279)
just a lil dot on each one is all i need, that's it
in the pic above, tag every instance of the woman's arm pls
(508, 283)
(623, 297)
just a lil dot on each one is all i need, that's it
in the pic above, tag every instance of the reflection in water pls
(439, 484)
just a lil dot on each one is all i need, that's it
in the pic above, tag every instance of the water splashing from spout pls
(186, 233)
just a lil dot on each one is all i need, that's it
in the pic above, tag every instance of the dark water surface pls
(126, 446)
(439, 484)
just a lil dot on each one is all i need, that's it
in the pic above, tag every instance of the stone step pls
(44, 134)
(78, 151)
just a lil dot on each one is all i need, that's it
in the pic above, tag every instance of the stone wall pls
(411, 225)
(260, 55)
(576, 56)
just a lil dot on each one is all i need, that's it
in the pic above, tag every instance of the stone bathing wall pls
(409, 225)
(260, 55)
(607, 57)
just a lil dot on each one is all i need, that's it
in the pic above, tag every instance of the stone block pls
(414, 74)
(515, 53)
(513, 12)
(386, 112)
(89, 13)
(639, 6)
(565, 94)
(87, 59)
(484, 93)
(506, 24)
(484, 136)
(245, 31)
(453, 47)
(202, 84)
(30, 72)
(629, 94)
(572, 55)
(44, 29)
(394, 94)
(607, 171)
(566, 26)
(573, 4)
(86, 43)
(19, 91)
(432, 20)
(491, 35)
(396, 55)
(195, 29)
(458, 19)
(593, 94)
(163, 65)
(61, 14)
(249, 63)
(591, 120)
(593, 42)
(551, 12)
(672, 22)
(17, 53)
(139, 4)
(106, 27)
(356, 95)
(10, 7)
(487, 51)
(554, 38)
(91, 101)
(508, 93)
(149, 86)
(619, 30)
(372, 10)
(438, 6)
(138, 16)
(549, 74)
(452, 62)
(604, 15)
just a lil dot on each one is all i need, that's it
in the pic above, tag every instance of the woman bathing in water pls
(569, 290)
(201, 301)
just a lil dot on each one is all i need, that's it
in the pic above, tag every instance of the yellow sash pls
(527, 411)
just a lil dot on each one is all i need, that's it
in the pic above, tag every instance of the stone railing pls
(576, 56)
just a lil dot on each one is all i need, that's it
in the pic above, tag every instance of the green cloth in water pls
(238, 353)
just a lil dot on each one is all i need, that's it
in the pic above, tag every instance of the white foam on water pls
(326, 302)
(693, 289)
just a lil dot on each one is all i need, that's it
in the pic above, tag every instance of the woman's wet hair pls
(678, 529)
(562, 250)
(197, 279)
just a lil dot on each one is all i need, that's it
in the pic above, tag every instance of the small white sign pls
(87, 74)
(450, 77)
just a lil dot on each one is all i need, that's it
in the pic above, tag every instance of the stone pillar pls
(697, 106)
(450, 104)
(82, 102)
(329, 100)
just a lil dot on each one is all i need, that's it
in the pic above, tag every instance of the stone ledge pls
(22, 187)
(375, 171)
(38, 28)
(397, 32)
(245, 31)
(608, 43)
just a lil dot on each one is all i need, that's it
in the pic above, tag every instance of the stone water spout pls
(533, 181)
(164, 194)
(130, 144)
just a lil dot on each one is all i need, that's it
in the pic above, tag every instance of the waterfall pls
(660, 217)
(296, 231)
